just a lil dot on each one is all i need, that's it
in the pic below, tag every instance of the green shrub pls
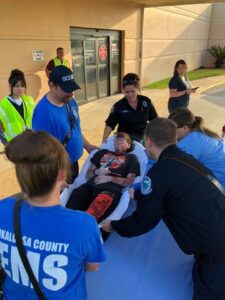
(219, 53)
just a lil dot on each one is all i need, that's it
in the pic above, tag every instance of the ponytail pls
(183, 116)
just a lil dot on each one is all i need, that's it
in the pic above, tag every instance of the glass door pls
(103, 67)
(77, 52)
(96, 63)
(90, 69)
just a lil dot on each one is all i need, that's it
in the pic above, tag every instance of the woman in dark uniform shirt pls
(132, 112)
(180, 87)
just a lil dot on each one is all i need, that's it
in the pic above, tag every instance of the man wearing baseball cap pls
(57, 113)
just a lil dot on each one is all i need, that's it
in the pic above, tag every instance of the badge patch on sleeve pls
(74, 112)
(144, 103)
(146, 186)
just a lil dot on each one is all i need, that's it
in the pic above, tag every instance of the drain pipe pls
(141, 43)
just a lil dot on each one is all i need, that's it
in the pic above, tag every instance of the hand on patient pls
(102, 171)
(131, 193)
(106, 226)
(102, 179)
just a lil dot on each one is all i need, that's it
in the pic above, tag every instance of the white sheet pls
(138, 150)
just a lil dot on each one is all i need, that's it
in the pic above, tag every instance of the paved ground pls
(208, 102)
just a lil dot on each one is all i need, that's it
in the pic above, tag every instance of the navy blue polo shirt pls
(130, 120)
(190, 205)
(176, 83)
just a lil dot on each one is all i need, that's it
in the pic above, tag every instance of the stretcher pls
(148, 267)
(137, 149)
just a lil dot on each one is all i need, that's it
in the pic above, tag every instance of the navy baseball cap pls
(63, 77)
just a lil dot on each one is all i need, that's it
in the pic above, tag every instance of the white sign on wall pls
(38, 55)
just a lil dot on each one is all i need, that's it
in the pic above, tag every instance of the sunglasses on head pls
(129, 81)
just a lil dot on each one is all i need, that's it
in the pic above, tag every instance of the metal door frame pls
(108, 63)
(96, 39)
(95, 34)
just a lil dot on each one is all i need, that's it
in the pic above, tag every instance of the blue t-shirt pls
(55, 120)
(58, 243)
(210, 151)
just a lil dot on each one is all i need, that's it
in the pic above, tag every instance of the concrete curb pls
(213, 86)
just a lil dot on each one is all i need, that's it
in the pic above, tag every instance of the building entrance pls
(96, 63)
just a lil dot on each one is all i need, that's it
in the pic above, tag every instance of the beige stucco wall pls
(172, 33)
(45, 25)
(217, 31)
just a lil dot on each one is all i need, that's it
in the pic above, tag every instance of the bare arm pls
(47, 72)
(124, 181)
(92, 267)
(118, 180)
(87, 146)
(174, 93)
(106, 133)
(91, 171)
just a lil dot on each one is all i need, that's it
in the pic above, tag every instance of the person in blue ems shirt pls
(61, 244)
(57, 113)
(204, 144)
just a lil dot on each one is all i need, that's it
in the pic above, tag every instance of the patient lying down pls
(107, 175)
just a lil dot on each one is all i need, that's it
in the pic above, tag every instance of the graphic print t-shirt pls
(118, 165)
(58, 242)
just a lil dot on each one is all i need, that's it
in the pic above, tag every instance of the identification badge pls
(74, 112)
(124, 111)
(144, 103)
(146, 186)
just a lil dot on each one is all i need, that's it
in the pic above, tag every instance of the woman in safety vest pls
(16, 109)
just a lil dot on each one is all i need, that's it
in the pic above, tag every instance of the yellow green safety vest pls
(57, 62)
(12, 121)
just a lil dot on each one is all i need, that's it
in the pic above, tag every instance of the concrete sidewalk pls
(204, 103)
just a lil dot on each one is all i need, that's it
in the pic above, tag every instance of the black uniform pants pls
(98, 202)
(209, 280)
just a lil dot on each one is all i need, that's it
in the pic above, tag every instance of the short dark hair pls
(123, 135)
(38, 158)
(131, 79)
(161, 131)
(59, 48)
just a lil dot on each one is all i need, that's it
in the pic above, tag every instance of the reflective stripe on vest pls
(12, 121)
(8, 135)
(57, 62)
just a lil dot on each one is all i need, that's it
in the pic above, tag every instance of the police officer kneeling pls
(179, 189)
